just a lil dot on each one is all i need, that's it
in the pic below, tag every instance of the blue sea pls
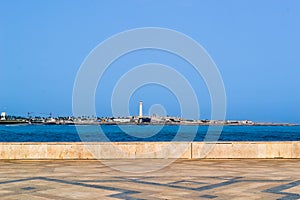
(115, 133)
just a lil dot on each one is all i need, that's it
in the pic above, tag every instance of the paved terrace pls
(183, 179)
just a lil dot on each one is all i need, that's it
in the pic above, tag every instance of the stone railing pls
(131, 150)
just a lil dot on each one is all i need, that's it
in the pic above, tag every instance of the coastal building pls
(141, 109)
(3, 116)
(157, 119)
(144, 120)
(122, 120)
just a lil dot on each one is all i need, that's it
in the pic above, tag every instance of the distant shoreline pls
(16, 122)
(130, 120)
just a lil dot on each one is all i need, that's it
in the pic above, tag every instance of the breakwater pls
(147, 150)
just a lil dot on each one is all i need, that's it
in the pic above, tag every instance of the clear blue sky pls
(255, 44)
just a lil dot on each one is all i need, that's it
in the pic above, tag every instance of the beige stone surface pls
(140, 150)
(279, 150)
(181, 179)
(224, 150)
(133, 150)
(296, 150)
(246, 150)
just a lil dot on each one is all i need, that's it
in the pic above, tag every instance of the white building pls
(122, 120)
(3, 116)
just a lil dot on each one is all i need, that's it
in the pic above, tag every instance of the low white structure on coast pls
(3, 116)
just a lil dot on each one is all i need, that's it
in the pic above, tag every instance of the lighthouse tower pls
(141, 109)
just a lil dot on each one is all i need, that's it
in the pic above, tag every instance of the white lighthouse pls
(141, 109)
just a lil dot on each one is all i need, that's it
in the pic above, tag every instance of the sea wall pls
(131, 150)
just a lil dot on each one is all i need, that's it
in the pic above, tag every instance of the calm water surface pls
(69, 133)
